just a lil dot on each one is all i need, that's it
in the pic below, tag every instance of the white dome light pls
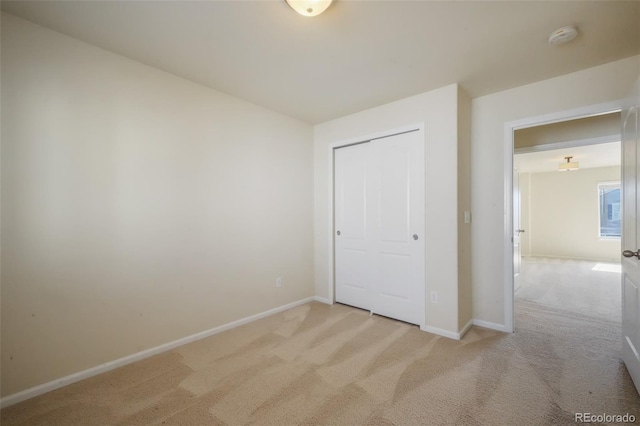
(309, 7)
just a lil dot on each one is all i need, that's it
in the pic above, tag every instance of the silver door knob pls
(338, 232)
(629, 253)
(520, 231)
(415, 236)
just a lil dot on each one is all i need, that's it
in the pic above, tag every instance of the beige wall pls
(438, 111)
(563, 212)
(605, 83)
(465, 296)
(137, 207)
(568, 131)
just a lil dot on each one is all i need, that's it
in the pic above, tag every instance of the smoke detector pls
(563, 35)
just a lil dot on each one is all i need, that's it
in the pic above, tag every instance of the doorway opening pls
(567, 218)
(537, 138)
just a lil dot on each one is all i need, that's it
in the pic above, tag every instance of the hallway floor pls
(579, 286)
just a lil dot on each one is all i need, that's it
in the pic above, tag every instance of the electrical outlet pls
(434, 297)
(279, 282)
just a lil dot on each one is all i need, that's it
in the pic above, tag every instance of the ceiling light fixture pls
(309, 7)
(568, 166)
(563, 35)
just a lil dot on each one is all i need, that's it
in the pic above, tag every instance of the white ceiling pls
(356, 55)
(601, 155)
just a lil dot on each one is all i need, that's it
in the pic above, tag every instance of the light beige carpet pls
(335, 365)
(581, 286)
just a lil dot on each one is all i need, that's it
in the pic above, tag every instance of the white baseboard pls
(466, 328)
(588, 259)
(490, 325)
(111, 365)
(441, 332)
(463, 331)
(322, 300)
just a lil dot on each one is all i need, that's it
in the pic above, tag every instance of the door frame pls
(419, 127)
(508, 150)
(519, 217)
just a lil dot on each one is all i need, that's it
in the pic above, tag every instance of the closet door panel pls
(399, 288)
(379, 226)
(352, 241)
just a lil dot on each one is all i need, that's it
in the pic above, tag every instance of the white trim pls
(111, 365)
(323, 300)
(331, 245)
(490, 325)
(572, 114)
(587, 259)
(465, 328)
(507, 277)
(446, 333)
(509, 129)
(568, 144)
(420, 127)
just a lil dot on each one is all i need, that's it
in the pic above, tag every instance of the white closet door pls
(398, 245)
(379, 217)
(353, 239)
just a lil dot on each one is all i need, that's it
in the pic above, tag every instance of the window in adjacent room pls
(609, 209)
